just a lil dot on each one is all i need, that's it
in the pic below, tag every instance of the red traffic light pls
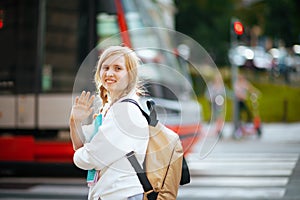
(1, 18)
(1, 24)
(238, 28)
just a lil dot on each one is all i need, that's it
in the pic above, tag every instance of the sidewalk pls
(288, 132)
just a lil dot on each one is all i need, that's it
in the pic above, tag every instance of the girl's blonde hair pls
(131, 61)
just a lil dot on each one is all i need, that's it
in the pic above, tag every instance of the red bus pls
(43, 45)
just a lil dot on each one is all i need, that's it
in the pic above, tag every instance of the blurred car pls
(250, 56)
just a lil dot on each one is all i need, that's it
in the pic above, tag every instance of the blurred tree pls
(208, 23)
(277, 19)
(283, 20)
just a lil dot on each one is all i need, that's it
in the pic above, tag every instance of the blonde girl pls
(123, 128)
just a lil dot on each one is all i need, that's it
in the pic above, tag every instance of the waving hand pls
(82, 107)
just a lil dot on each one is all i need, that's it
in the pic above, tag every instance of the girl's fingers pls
(91, 100)
(88, 99)
(82, 95)
(81, 98)
(76, 100)
(90, 110)
(87, 96)
(85, 99)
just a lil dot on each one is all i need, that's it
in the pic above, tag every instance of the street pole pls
(234, 74)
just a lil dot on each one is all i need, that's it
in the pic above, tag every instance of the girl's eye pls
(118, 68)
(105, 67)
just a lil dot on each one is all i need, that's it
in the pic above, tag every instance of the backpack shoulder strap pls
(140, 171)
(149, 191)
(152, 118)
(141, 174)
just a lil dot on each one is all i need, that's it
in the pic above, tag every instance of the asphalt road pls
(249, 168)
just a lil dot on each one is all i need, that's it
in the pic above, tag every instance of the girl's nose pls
(110, 72)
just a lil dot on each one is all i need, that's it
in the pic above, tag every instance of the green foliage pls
(277, 19)
(208, 22)
(283, 20)
(278, 103)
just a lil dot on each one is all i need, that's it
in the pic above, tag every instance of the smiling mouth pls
(109, 81)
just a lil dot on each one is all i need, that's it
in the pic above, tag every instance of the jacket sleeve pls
(124, 129)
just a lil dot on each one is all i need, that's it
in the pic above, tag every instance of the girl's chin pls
(113, 90)
(110, 87)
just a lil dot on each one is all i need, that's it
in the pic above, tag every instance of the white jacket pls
(123, 129)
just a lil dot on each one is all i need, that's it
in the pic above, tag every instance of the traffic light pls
(238, 28)
(236, 31)
(1, 19)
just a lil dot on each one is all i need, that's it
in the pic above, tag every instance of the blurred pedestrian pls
(242, 89)
(118, 129)
(215, 93)
(282, 61)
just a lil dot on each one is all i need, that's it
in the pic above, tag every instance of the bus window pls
(107, 26)
(164, 65)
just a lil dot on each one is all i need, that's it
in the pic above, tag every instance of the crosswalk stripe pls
(243, 159)
(66, 189)
(242, 165)
(232, 192)
(42, 180)
(241, 172)
(220, 176)
(245, 156)
(239, 181)
(239, 164)
(239, 175)
(51, 189)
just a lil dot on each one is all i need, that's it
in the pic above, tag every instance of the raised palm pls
(82, 107)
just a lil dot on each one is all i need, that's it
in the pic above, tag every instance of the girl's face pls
(114, 75)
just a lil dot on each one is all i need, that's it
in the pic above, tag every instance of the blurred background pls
(268, 48)
(45, 43)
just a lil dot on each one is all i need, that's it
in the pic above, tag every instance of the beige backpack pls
(164, 166)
